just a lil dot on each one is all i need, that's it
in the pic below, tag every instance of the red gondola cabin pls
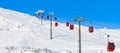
(110, 47)
(91, 29)
(71, 26)
(67, 23)
(56, 24)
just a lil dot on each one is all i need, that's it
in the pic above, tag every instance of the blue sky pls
(103, 12)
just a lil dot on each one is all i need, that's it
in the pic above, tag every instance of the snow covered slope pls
(22, 30)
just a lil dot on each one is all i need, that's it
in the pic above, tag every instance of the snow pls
(20, 31)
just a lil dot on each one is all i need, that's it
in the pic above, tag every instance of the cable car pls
(91, 29)
(55, 18)
(47, 17)
(67, 23)
(41, 17)
(56, 24)
(37, 14)
(42, 14)
(71, 26)
(110, 46)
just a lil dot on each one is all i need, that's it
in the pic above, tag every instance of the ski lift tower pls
(79, 19)
(50, 15)
(41, 12)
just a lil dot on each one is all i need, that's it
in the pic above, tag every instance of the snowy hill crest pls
(22, 30)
